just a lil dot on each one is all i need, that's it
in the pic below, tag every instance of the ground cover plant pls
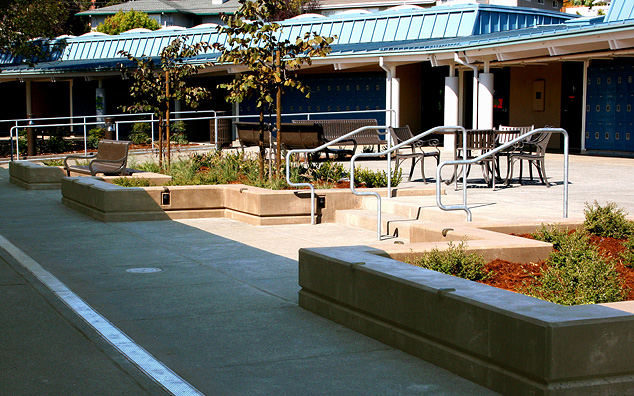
(233, 167)
(593, 264)
(454, 261)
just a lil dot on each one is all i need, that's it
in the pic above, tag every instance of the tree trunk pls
(160, 143)
(167, 119)
(261, 145)
(278, 158)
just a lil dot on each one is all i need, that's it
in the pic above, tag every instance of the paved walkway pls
(222, 311)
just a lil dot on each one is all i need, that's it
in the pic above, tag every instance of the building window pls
(555, 4)
(540, 1)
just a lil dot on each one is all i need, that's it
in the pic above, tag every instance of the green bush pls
(328, 172)
(131, 182)
(607, 221)
(552, 234)
(56, 142)
(178, 133)
(372, 179)
(53, 162)
(140, 133)
(576, 273)
(124, 21)
(579, 275)
(454, 261)
(628, 254)
(95, 135)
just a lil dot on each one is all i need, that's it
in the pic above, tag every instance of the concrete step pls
(391, 224)
(397, 218)
(414, 208)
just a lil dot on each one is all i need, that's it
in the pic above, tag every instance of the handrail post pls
(85, 138)
(389, 162)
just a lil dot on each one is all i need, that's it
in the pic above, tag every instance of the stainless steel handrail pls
(464, 162)
(441, 129)
(320, 148)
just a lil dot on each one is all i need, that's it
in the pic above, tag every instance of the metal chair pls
(479, 141)
(415, 152)
(533, 151)
(506, 134)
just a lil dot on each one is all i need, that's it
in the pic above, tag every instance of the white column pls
(485, 101)
(396, 101)
(452, 108)
(584, 103)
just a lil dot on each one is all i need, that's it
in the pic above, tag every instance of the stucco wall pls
(521, 96)
(410, 95)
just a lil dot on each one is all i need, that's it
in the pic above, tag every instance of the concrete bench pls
(111, 159)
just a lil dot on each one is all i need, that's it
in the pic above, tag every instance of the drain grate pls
(143, 270)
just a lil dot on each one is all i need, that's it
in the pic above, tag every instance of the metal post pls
(110, 129)
(85, 138)
(31, 137)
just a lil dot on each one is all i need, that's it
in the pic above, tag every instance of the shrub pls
(454, 261)
(140, 133)
(56, 142)
(328, 172)
(578, 277)
(95, 135)
(628, 254)
(53, 162)
(178, 133)
(607, 221)
(373, 179)
(124, 21)
(132, 182)
(552, 234)
(576, 273)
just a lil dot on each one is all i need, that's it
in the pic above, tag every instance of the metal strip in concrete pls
(147, 363)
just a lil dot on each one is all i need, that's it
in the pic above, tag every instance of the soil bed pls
(515, 276)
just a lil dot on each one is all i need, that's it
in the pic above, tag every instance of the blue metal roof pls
(383, 27)
(620, 10)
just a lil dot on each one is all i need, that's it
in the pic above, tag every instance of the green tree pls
(252, 41)
(155, 86)
(124, 21)
(25, 20)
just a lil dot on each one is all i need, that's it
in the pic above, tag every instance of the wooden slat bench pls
(294, 136)
(111, 159)
(337, 128)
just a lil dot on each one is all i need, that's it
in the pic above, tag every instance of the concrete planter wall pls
(511, 343)
(33, 176)
(257, 206)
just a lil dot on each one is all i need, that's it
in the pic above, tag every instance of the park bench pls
(294, 136)
(111, 159)
(334, 129)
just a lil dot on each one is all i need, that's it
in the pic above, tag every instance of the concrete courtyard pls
(220, 316)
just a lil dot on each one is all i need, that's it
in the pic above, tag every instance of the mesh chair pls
(479, 141)
(534, 152)
(414, 151)
(505, 135)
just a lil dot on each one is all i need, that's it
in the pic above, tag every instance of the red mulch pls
(512, 276)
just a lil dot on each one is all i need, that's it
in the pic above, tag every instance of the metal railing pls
(146, 118)
(347, 136)
(388, 152)
(464, 162)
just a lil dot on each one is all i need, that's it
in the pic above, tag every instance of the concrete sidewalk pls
(221, 313)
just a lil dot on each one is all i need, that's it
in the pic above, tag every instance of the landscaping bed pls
(516, 276)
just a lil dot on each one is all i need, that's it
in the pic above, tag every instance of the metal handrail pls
(464, 162)
(388, 151)
(320, 148)
(152, 120)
